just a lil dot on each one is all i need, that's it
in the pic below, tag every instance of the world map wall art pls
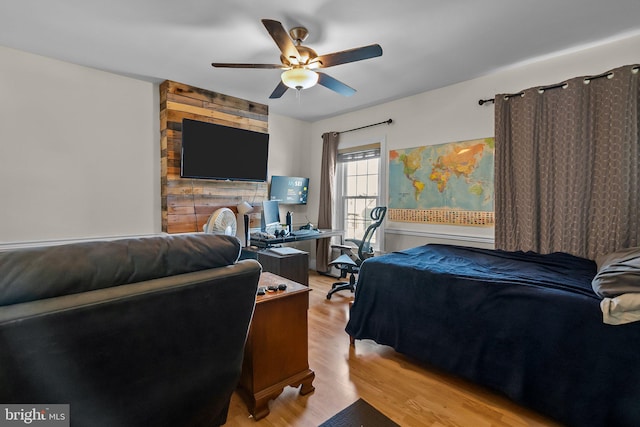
(448, 183)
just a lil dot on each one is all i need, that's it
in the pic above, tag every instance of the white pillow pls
(618, 273)
(622, 309)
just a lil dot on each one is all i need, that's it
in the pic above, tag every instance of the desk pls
(324, 234)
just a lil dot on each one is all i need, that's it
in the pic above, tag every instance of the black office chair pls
(348, 262)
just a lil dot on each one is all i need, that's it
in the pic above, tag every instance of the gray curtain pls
(567, 166)
(327, 185)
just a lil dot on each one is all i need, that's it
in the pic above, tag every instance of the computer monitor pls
(270, 218)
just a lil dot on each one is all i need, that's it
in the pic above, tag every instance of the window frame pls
(341, 171)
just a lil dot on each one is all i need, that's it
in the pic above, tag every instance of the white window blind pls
(359, 172)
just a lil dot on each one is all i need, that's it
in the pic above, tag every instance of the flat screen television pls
(212, 151)
(289, 190)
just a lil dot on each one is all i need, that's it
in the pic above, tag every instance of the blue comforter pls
(525, 324)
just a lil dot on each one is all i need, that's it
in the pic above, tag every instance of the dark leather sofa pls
(130, 332)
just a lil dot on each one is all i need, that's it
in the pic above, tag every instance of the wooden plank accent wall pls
(187, 203)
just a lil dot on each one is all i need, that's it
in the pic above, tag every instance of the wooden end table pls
(276, 352)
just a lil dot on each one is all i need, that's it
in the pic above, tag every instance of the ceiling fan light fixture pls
(299, 78)
(300, 62)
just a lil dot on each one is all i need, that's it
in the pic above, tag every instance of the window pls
(358, 189)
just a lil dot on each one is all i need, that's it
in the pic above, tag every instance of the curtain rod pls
(556, 86)
(389, 121)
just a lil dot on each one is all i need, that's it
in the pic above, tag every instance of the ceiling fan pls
(300, 62)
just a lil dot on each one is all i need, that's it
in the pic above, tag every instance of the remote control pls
(282, 286)
(261, 290)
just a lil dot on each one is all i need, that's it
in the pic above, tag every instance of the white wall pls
(79, 148)
(289, 141)
(79, 151)
(289, 147)
(453, 114)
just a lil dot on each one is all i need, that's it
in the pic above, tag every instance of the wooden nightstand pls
(276, 352)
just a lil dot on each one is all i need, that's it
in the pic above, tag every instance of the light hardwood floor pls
(410, 393)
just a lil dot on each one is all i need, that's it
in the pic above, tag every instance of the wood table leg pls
(306, 382)
(258, 403)
(260, 408)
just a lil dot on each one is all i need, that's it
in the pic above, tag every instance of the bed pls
(527, 325)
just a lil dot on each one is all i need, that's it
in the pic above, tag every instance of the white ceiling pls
(427, 44)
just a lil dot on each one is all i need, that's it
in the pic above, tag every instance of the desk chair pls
(348, 262)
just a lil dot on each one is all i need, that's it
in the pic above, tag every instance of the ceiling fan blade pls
(334, 84)
(282, 39)
(350, 55)
(230, 65)
(278, 91)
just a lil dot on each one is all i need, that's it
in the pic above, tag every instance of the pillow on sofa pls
(618, 273)
(45, 272)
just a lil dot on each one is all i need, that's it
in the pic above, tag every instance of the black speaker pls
(246, 230)
(289, 222)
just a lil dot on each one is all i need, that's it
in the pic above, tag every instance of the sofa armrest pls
(162, 352)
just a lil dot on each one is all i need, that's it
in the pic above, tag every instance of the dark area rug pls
(359, 414)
